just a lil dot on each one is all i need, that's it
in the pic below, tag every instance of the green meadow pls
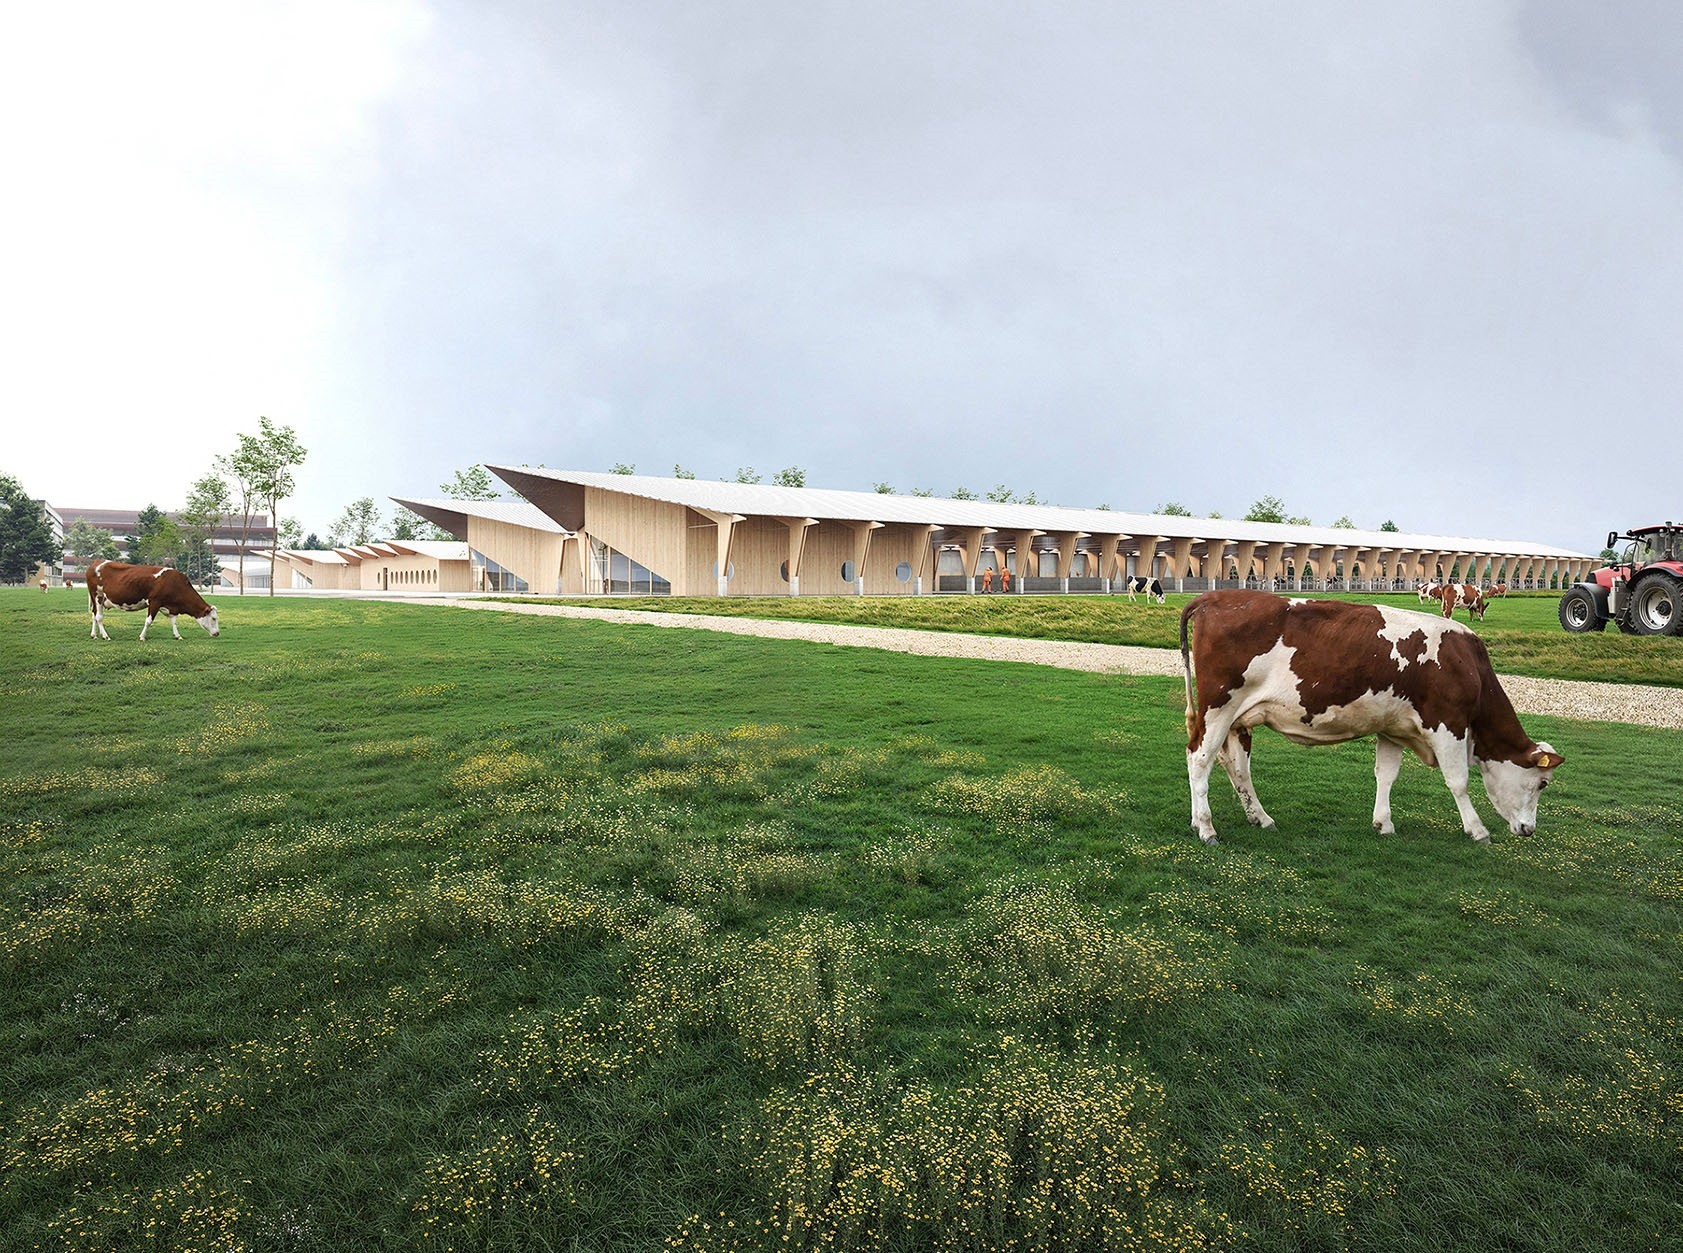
(1522, 629)
(372, 926)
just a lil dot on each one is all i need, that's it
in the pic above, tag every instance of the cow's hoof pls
(1480, 837)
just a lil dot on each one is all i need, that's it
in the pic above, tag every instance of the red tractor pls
(1641, 595)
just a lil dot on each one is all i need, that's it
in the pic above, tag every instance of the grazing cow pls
(1428, 590)
(1501, 589)
(156, 589)
(1152, 588)
(1462, 596)
(43, 585)
(1322, 672)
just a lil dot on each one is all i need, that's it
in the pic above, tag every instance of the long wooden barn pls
(585, 533)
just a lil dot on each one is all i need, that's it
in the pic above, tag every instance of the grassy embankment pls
(1522, 630)
(374, 926)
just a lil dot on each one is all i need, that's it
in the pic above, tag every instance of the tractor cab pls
(1651, 544)
(1642, 594)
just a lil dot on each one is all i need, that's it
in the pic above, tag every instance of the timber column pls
(1066, 541)
(969, 541)
(1183, 558)
(797, 544)
(1147, 557)
(1244, 557)
(725, 525)
(1024, 541)
(862, 532)
(1104, 547)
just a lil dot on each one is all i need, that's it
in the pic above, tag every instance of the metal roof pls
(439, 550)
(824, 504)
(316, 556)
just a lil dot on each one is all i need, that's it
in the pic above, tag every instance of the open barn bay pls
(373, 926)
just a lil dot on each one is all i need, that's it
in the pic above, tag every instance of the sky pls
(1418, 263)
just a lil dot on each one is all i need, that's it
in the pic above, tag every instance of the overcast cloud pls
(1412, 262)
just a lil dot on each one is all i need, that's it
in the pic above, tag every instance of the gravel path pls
(1563, 698)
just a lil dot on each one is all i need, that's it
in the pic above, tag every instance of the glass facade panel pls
(621, 576)
(488, 576)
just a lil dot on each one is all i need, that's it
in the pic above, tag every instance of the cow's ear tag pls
(1544, 761)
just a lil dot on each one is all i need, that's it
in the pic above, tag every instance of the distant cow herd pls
(1452, 596)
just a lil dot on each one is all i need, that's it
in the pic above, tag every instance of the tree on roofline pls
(261, 469)
(208, 502)
(1268, 509)
(359, 524)
(473, 483)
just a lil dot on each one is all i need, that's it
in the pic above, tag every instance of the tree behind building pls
(26, 536)
(208, 503)
(359, 524)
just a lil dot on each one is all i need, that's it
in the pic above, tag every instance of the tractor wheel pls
(1656, 606)
(1579, 612)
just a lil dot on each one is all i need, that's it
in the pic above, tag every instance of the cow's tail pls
(1186, 661)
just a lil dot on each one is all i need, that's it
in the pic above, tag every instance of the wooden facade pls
(419, 567)
(535, 556)
(704, 538)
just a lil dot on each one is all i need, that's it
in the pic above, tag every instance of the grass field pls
(1522, 629)
(384, 927)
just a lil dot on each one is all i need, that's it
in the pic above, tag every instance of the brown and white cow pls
(156, 589)
(1462, 596)
(1428, 590)
(1323, 671)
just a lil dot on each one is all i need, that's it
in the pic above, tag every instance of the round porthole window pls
(849, 572)
(903, 572)
(783, 571)
(730, 570)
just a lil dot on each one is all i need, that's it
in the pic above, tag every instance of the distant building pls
(124, 524)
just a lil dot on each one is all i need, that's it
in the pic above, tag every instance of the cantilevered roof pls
(452, 515)
(438, 550)
(316, 556)
(557, 492)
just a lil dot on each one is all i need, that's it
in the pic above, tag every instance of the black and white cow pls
(1138, 583)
